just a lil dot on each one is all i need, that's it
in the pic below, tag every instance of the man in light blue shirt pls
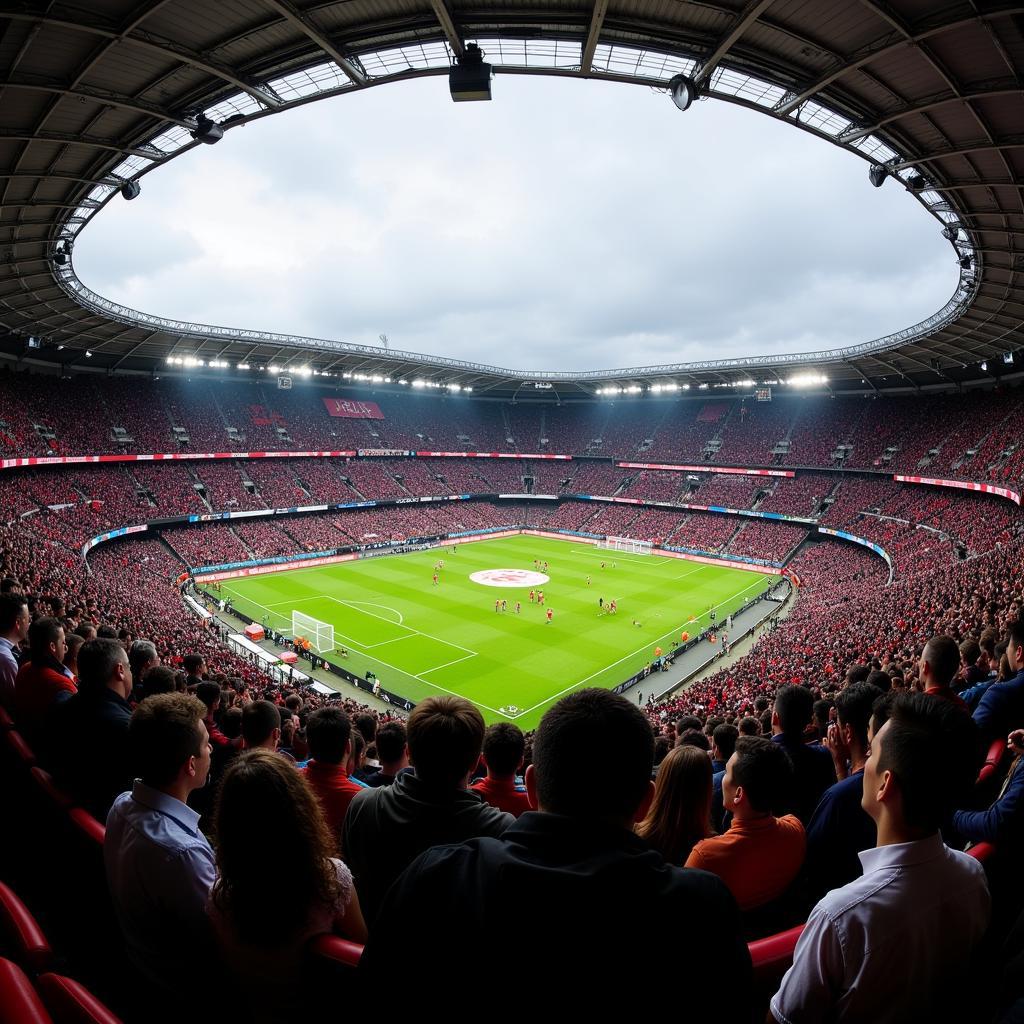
(14, 623)
(160, 867)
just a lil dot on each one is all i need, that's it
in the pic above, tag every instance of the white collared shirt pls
(875, 949)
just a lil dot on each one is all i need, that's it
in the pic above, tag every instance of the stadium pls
(517, 599)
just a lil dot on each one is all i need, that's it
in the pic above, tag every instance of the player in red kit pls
(550, 613)
(435, 579)
(531, 597)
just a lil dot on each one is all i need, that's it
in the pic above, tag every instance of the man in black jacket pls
(387, 827)
(569, 895)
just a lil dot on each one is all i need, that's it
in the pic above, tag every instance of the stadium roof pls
(96, 95)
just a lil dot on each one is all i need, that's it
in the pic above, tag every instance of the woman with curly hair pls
(680, 814)
(269, 824)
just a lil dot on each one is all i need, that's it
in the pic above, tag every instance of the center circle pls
(509, 578)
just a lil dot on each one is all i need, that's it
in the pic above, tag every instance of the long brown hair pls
(268, 820)
(680, 814)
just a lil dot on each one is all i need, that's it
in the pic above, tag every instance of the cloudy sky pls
(566, 225)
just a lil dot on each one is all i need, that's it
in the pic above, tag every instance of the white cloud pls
(566, 225)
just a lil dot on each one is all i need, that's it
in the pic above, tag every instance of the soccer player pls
(435, 579)
(545, 566)
(588, 581)
(600, 603)
(540, 597)
(518, 607)
(532, 598)
(613, 607)
(602, 565)
(504, 605)
(549, 614)
(497, 606)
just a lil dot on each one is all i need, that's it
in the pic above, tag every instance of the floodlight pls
(877, 173)
(917, 182)
(683, 91)
(1008, 358)
(984, 366)
(131, 189)
(207, 131)
(88, 354)
(951, 231)
(470, 78)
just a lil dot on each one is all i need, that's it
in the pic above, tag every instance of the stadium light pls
(807, 380)
(131, 189)
(984, 367)
(917, 182)
(88, 354)
(470, 78)
(877, 173)
(243, 366)
(951, 232)
(1008, 358)
(207, 131)
(683, 91)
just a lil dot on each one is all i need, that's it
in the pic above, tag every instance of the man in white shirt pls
(894, 944)
(14, 623)
(160, 867)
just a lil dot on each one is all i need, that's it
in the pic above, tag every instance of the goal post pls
(627, 545)
(319, 634)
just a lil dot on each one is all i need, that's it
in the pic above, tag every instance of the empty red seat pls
(21, 936)
(70, 1002)
(50, 790)
(87, 827)
(17, 745)
(772, 956)
(19, 1001)
(992, 760)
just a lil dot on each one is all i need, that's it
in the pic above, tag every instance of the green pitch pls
(421, 639)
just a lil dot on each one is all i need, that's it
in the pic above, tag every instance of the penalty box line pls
(394, 668)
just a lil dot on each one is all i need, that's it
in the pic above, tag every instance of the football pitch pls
(422, 638)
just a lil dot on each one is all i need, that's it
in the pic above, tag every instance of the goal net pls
(626, 545)
(319, 634)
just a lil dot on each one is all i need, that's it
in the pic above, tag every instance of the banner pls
(489, 455)
(965, 485)
(350, 409)
(707, 469)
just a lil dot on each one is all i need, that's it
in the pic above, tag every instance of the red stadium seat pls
(22, 939)
(992, 760)
(983, 852)
(53, 793)
(72, 1003)
(19, 1001)
(773, 956)
(87, 827)
(336, 950)
(21, 750)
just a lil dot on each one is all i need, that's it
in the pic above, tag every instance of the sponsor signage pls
(88, 460)
(964, 485)
(350, 409)
(488, 455)
(375, 452)
(738, 470)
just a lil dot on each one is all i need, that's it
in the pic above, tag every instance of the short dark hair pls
(943, 657)
(504, 746)
(857, 673)
(191, 662)
(367, 725)
(880, 680)
(208, 692)
(932, 749)
(794, 705)
(107, 632)
(96, 662)
(575, 737)
(725, 737)
(10, 609)
(159, 679)
(446, 735)
(163, 734)
(259, 719)
(328, 731)
(970, 651)
(694, 738)
(853, 708)
(688, 722)
(749, 726)
(765, 772)
(42, 633)
(1015, 633)
(391, 740)
(8, 585)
